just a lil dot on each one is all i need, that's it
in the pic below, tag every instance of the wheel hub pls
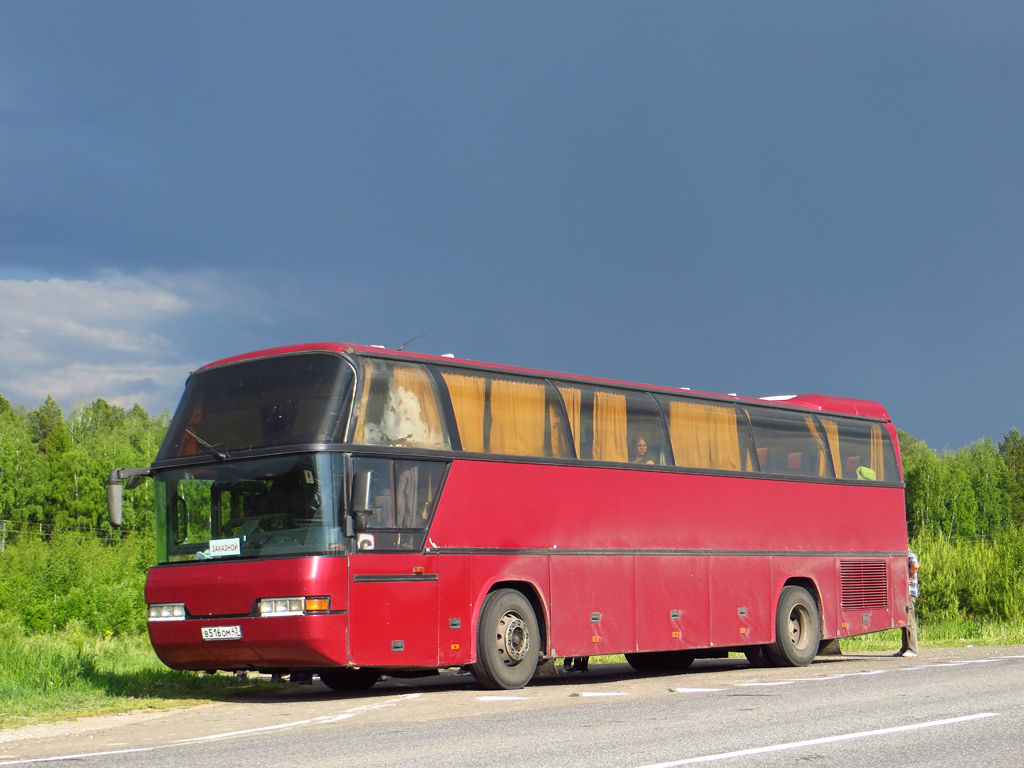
(513, 639)
(798, 621)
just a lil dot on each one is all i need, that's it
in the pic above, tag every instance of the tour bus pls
(351, 511)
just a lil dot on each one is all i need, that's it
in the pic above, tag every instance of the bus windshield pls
(282, 505)
(284, 400)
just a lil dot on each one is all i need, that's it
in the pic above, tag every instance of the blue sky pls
(761, 198)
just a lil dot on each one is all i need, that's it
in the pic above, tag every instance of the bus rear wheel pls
(349, 679)
(797, 629)
(508, 641)
(660, 661)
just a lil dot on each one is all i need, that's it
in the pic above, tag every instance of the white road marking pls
(695, 690)
(76, 757)
(595, 694)
(230, 734)
(298, 723)
(503, 698)
(825, 740)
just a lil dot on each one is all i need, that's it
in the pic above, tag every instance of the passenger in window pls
(640, 451)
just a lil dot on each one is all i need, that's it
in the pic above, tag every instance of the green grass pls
(67, 675)
(947, 634)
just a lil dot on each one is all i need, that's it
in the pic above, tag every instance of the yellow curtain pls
(832, 435)
(517, 418)
(822, 462)
(573, 400)
(416, 382)
(725, 441)
(468, 393)
(610, 439)
(877, 463)
(704, 436)
(688, 436)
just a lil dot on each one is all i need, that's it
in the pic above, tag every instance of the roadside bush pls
(72, 579)
(971, 580)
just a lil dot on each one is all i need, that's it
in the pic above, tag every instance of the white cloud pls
(83, 339)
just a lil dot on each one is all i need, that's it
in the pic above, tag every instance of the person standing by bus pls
(909, 644)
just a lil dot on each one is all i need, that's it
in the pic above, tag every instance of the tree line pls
(54, 467)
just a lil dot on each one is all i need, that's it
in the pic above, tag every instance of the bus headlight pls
(294, 606)
(167, 612)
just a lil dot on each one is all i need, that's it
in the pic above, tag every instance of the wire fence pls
(12, 530)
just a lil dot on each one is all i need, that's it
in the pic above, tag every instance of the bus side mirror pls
(119, 479)
(115, 500)
(362, 508)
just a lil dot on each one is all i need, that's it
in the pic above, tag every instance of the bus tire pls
(797, 629)
(508, 641)
(349, 679)
(758, 656)
(660, 661)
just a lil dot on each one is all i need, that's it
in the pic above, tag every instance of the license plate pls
(222, 633)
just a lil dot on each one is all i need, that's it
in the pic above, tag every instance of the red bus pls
(351, 511)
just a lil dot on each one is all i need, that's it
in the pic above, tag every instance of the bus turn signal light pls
(318, 604)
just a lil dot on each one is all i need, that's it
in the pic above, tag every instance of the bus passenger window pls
(509, 415)
(861, 451)
(610, 425)
(789, 443)
(398, 407)
(706, 435)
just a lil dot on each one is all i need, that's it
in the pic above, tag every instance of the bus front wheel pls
(758, 656)
(797, 629)
(348, 679)
(508, 641)
(660, 661)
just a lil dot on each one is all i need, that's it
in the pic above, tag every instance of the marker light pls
(167, 612)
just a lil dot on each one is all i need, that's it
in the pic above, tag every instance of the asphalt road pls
(958, 707)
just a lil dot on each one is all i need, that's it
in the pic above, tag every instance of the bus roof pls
(844, 405)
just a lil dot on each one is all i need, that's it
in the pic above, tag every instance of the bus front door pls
(393, 610)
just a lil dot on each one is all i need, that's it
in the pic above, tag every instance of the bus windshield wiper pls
(207, 448)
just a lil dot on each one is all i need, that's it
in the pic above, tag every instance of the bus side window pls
(707, 435)
(792, 443)
(645, 428)
(381, 496)
(398, 407)
(416, 488)
(862, 451)
(511, 415)
(608, 425)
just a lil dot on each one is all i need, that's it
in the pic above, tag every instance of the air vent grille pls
(865, 584)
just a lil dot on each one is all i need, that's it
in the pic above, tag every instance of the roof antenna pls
(410, 341)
